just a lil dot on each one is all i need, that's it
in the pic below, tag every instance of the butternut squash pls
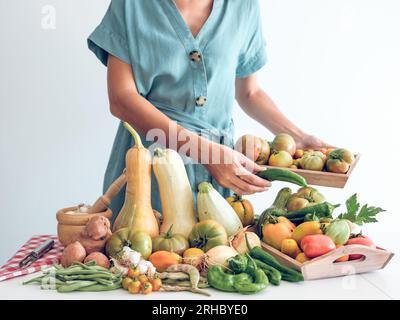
(137, 213)
(175, 192)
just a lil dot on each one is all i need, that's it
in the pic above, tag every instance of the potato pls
(98, 228)
(100, 259)
(74, 252)
(91, 245)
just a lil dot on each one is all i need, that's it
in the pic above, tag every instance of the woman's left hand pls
(312, 142)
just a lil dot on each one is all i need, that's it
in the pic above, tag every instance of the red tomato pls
(316, 245)
(361, 240)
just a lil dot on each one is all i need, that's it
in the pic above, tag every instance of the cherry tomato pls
(361, 240)
(156, 284)
(134, 286)
(298, 154)
(133, 272)
(126, 282)
(147, 288)
(142, 279)
(317, 245)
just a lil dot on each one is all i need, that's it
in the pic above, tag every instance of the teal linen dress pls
(190, 79)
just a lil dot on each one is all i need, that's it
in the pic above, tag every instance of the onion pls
(219, 255)
(239, 243)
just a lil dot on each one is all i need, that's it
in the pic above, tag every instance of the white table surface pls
(382, 284)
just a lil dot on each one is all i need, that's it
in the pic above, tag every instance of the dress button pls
(195, 56)
(201, 101)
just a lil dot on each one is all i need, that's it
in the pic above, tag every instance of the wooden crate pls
(326, 179)
(326, 267)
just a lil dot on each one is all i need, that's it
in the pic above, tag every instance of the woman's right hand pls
(235, 171)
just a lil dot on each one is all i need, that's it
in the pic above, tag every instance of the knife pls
(37, 253)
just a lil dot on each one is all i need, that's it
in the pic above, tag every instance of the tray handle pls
(367, 252)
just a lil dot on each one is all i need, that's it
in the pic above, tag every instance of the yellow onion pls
(219, 255)
(238, 241)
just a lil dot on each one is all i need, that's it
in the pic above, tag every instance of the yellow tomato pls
(147, 288)
(280, 159)
(306, 229)
(301, 257)
(156, 284)
(274, 234)
(134, 286)
(290, 248)
(291, 226)
(126, 282)
(142, 278)
(133, 272)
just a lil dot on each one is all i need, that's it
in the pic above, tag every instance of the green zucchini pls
(279, 174)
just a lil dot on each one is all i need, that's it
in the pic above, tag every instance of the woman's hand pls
(235, 171)
(311, 142)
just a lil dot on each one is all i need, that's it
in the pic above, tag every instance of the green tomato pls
(138, 241)
(338, 231)
(313, 161)
(339, 161)
(208, 234)
(170, 242)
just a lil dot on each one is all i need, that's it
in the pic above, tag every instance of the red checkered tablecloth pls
(11, 269)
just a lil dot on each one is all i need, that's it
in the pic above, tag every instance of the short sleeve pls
(253, 54)
(110, 36)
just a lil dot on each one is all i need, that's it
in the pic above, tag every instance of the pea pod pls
(278, 174)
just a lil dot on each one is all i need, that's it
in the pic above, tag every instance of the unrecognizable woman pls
(176, 67)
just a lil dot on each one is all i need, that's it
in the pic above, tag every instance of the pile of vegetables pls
(301, 225)
(216, 247)
(282, 152)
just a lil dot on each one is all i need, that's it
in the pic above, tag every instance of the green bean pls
(34, 280)
(105, 282)
(89, 277)
(76, 285)
(100, 287)
(80, 272)
(91, 265)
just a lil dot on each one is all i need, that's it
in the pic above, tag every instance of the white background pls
(334, 69)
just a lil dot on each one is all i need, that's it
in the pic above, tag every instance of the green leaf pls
(352, 206)
(367, 215)
(357, 216)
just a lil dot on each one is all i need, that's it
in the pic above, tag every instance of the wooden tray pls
(325, 267)
(326, 179)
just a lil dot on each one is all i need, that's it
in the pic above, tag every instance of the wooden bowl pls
(70, 226)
